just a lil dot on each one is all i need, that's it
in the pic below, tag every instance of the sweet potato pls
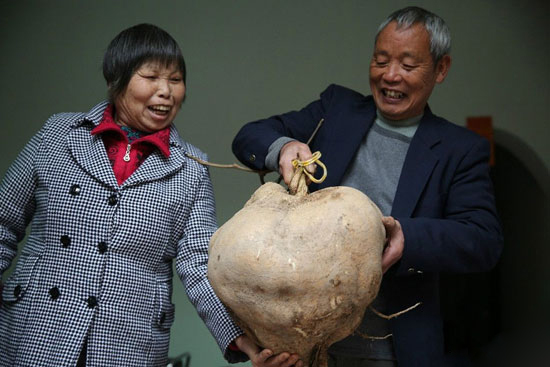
(298, 271)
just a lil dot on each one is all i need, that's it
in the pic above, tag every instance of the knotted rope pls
(297, 185)
(301, 165)
(264, 172)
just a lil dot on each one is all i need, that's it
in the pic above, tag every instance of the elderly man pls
(429, 177)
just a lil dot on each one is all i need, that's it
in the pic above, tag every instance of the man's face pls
(402, 72)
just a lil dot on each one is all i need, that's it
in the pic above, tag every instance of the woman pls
(113, 199)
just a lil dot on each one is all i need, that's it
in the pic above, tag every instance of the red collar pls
(160, 139)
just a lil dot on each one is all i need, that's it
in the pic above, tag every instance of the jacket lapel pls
(341, 141)
(88, 150)
(157, 166)
(417, 168)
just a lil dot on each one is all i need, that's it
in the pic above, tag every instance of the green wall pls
(248, 59)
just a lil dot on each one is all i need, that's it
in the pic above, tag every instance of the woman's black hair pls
(132, 48)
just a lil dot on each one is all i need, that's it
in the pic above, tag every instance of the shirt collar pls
(160, 139)
(415, 120)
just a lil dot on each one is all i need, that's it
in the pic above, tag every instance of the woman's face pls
(152, 98)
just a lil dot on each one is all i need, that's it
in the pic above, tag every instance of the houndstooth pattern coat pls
(98, 261)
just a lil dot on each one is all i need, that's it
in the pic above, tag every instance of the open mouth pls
(160, 109)
(393, 94)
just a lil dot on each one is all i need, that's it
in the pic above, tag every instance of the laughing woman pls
(113, 201)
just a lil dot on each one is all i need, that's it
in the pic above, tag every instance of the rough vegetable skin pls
(298, 271)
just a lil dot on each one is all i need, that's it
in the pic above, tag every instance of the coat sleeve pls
(17, 203)
(191, 265)
(252, 142)
(468, 237)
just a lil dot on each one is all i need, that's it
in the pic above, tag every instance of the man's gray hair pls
(440, 36)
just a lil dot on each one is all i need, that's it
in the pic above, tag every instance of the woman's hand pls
(289, 152)
(395, 242)
(265, 358)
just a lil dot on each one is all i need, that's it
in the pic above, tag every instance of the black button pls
(252, 157)
(92, 302)
(113, 200)
(65, 240)
(17, 290)
(54, 293)
(102, 247)
(162, 317)
(74, 190)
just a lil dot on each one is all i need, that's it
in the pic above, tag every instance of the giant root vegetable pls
(298, 271)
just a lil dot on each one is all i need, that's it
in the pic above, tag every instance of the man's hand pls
(395, 243)
(289, 152)
(265, 358)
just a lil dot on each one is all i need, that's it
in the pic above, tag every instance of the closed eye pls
(380, 63)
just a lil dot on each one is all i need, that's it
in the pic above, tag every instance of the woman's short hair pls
(440, 36)
(132, 48)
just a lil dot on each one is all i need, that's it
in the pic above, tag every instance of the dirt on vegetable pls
(298, 271)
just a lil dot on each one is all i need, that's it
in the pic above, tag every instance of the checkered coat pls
(97, 264)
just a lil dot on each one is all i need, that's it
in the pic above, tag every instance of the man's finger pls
(287, 171)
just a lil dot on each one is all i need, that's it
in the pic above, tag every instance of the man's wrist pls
(272, 158)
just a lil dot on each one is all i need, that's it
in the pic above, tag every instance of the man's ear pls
(442, 68)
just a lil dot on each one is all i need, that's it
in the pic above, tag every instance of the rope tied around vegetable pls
(298, 184)
(260, 173)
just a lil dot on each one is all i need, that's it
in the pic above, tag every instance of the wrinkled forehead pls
(414, 37)
(394, 27)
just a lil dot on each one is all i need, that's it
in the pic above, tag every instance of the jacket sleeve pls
(252, 142)
(191, 265)
(468, 237)
(17, 203)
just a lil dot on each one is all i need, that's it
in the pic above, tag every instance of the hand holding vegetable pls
(395, 242)
(265, 357)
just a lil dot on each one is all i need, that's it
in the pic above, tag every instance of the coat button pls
(102, 247)
(74, 190)
(252, 157)
(113, 200)
(54, 293)
(65, 241)
(411, 270)
(92, 302)
(162, 317)
(17, 291)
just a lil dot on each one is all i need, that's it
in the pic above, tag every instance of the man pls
(429, 177)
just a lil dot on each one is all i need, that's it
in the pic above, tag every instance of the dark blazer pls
(444, 202)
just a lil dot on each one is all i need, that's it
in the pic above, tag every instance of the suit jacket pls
(444, 202)
(97, 264)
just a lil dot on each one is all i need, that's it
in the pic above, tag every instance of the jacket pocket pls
(17, 284)
(165, 310)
